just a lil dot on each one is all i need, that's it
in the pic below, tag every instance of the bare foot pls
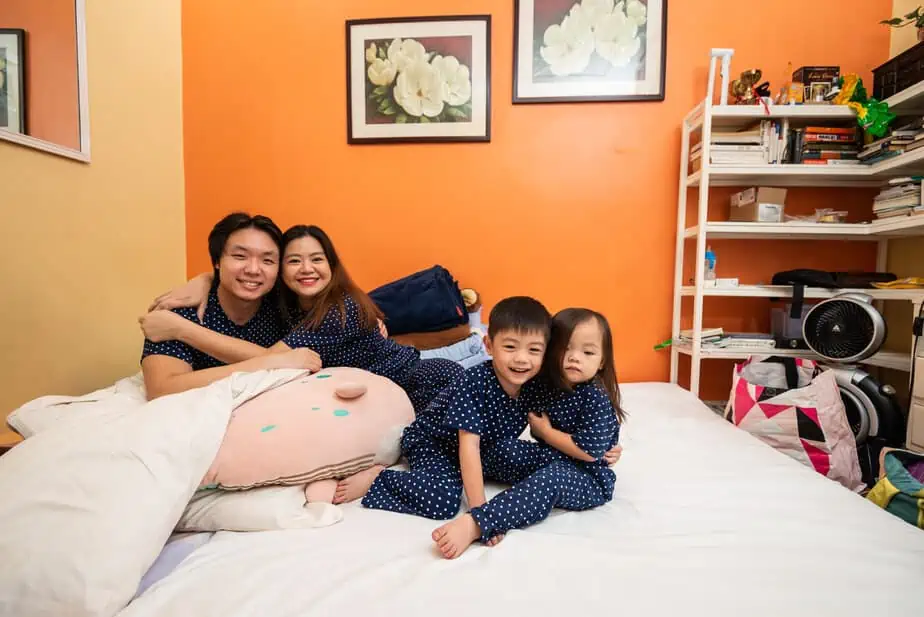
(357, 485)
(456, 536)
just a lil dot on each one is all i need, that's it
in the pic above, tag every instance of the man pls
(245, 252)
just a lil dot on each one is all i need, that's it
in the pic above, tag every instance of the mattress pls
(705, 520)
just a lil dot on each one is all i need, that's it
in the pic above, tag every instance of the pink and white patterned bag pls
(795, 407)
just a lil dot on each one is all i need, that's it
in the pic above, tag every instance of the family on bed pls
(554, 374)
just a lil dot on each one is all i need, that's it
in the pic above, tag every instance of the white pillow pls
(86, 507)
(259, 509)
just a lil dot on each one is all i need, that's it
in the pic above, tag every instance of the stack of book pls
(823, 145)
(717, 338)
(902, 196)
(904, 139)
(758, 144)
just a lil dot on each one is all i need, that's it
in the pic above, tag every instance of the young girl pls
(328, 313)
(565, 468)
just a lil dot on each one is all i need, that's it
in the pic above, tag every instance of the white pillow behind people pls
(259, 509)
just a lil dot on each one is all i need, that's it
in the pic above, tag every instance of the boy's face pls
(517, 357)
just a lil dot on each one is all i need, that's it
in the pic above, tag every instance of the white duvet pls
(706, 520)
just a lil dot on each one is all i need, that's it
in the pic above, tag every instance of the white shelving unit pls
(708, 115)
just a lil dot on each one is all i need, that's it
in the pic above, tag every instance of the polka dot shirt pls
(265, 328)
(587, 415)
(348, 343)
(476, 403)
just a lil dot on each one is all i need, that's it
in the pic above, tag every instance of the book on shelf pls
(902, 196)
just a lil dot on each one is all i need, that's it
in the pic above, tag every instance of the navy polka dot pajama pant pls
(432, 488)
(428, 378)
(542, 479)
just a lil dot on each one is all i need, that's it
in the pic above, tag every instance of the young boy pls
(488, 405)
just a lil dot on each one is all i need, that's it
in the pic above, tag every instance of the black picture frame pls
(535, 80)
(19, 81)
(371, 105)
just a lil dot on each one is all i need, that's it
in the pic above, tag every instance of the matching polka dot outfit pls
(345, 342)
(265, 328)
(433, 487)
(543, 477)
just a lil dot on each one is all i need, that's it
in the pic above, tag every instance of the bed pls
(706, 520)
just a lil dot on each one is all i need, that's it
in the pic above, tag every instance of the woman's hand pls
(539, 424)
(612, 456)
(193, 293)
(160, 325)
(382, 329)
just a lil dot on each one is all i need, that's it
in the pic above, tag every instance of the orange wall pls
(572, 203)
(51, 66)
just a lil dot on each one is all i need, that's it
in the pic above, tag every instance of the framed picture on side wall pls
(419, 79)
(12, 80)
(589, 50)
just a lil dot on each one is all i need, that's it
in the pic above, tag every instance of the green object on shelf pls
(664, 345)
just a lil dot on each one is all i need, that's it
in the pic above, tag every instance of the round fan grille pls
(844, 329)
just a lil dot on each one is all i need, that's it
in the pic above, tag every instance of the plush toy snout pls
(350, 390)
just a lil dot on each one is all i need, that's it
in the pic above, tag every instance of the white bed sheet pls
(706, 520)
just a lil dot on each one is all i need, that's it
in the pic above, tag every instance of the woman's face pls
(305, 269)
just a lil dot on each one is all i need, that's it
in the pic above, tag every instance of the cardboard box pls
(758, 205)
(816, 81)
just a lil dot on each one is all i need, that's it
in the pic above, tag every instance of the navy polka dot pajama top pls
(433, 487)
(342, 342)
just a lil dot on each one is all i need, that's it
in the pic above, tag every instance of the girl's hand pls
(539, 423)
(194, 293)
(160, 325)
(612, 456)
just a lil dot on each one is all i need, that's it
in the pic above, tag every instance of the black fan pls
(844, 330)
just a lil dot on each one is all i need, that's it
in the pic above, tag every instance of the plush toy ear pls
(350, 390)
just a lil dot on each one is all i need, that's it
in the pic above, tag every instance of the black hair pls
(340, 285)
(563, 324)
(521, 314)
(237, 221)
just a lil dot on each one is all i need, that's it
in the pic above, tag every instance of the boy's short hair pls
(520, 314)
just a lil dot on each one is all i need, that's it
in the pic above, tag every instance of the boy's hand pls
(539, 424)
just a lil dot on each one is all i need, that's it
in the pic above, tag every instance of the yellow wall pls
(903, 38)
(87, 246)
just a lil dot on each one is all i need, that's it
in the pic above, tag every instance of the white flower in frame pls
(617, 39)
(382, 72)
(595, 10)
(637, 12)
(404, 53)
(371, 53)
(419, 90)
(457, 81)
(567, 47)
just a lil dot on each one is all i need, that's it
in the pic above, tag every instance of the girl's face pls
(305, 269)
(584, 356)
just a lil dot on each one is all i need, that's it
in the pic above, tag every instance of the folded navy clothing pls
(426, 301)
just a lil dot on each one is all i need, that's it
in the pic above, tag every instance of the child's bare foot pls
(356, 485)
(456, 536)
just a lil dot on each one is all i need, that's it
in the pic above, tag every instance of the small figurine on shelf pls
(745, 91)
(872, 115)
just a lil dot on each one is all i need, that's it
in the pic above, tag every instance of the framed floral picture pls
(589, 50)
(419, 79)
(12, 80)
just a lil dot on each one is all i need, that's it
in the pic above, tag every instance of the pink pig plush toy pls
(321, 427)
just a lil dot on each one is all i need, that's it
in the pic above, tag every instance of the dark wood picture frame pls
(393, 79)
(535, 80)
(20, 35)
